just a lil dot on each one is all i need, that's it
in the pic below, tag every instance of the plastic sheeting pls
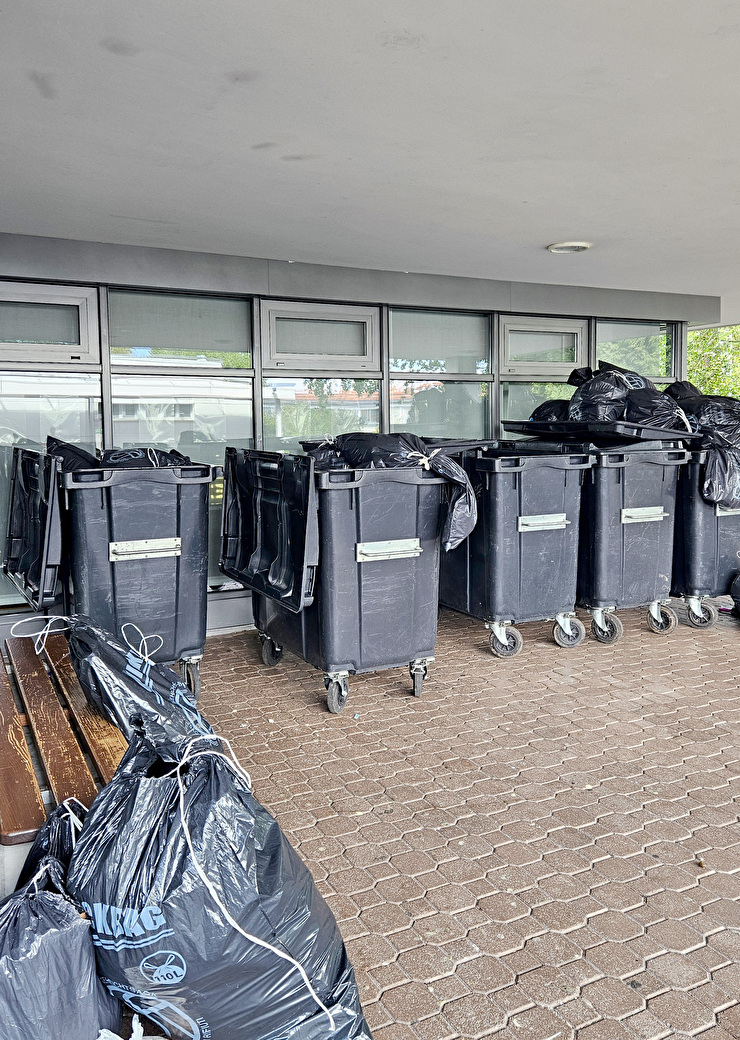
(551, 411)
(133, 692)
(601, 399)
(653, 408)
(48, 984)
(56, 838)
(202, 911)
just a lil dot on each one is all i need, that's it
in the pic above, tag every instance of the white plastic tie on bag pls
(424, 460)
(142, 648)
(137, 1032)
(41, 635)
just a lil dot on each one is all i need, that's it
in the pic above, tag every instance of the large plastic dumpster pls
(628, 505)
(343, 564)
(123, 546)
(520, 562)
(706, 547)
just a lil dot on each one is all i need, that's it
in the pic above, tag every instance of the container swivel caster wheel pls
(705, 618)
(270, 651)
(190, 672)
(510, 648)
(337, 692)
(568, 639)
(668, 621)
(418, 672)
(611, 631)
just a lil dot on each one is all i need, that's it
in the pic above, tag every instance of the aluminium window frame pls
(275, 362)
(37, 355)
(540, 371)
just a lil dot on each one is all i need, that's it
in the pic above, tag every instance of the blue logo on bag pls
(125, 927)
(165, 1014)
(164, 967)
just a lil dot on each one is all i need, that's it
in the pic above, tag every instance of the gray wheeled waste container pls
(520, 562)
(343, 564)
(122, 546)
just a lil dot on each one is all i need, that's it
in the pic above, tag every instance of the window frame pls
(677, 351)
(507, 367)
(25, 355)
(368, 365)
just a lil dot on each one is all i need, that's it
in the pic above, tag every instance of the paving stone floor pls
(540, 847)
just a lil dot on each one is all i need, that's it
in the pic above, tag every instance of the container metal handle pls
(543, 522)
(392, 549)
(643, 514)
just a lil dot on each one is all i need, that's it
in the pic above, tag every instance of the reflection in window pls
(543, 347)
(39, 323)
(199, 416)
(33, 405)
(305, 409)
(519, 400)
(171, 328)
(438, 341)
(432, 408)
(644, 347)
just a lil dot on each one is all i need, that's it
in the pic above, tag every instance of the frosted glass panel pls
(33, 405)
(311, 336)
(301, 409)
(550, 347)
(39, 323)
(644, 347)
(165, 328)
(436, 341)
(439, 409)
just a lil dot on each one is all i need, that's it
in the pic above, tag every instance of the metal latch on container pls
(144, 549)
(393, 549)
(722, 511)
(543, 522)
(643, 514)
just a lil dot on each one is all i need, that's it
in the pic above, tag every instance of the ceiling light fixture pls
(569, 247)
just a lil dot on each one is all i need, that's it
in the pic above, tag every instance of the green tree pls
(713, 360)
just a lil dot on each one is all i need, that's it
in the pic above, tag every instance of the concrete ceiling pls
(454, 136)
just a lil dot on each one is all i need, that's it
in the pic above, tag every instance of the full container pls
(706, 546)
(343, 564)
(123, 546)
(520, 562)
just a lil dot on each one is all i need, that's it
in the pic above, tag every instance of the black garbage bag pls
(579, 376)
(682, 390)
(48, 983)
(56, 838)
(72, 455)
(632, 380)
(653, 408)
(142, 458)
(394, 450)
(721, 479)
(204, 917)
(551, 411)
(601, 399)
(326, 456)
(735, 593)
(134, 693)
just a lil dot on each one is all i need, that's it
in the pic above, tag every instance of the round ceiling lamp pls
(569, 247)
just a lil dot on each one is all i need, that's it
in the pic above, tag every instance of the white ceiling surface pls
(444, 136)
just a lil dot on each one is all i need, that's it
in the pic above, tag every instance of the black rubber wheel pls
(271, 652)
(336, 696)
(709, 615)
(613, 631)
(576, 637)
(512, 646)
(190, 671)
(668, 621)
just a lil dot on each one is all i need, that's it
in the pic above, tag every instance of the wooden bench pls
(52, 746)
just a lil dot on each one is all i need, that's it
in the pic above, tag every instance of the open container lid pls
(600, 434)
(33, 544)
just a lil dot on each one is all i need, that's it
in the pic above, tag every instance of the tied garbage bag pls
(142, 458)
(653, 408)
(72, 455)
(682, 390)
(721, 481)
(632, 380)
(579, 376)
(204, 918)
(130, 690)
(56, 838)
(551, 411)
(601, 399)
(48, 984)
(394, 450)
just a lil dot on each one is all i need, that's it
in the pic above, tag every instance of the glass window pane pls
(166, 328)
(436, 341)
(519, 400)
(439, 409)
(39, 323)
(302, 409)
(311, 336)
(644, 347)
(199, 416)
(532, 347)
(32, 406)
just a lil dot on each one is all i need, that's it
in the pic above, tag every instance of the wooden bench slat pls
(22, 810)
(105, 743)
(69, 776)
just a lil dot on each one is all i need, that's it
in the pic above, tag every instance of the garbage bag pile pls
(719, 419)
(48, 982)
(613, 393)
(404, 450)
(75, 458)
(202, 916)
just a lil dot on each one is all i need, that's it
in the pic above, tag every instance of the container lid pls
(600, 434)
(33, 547)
